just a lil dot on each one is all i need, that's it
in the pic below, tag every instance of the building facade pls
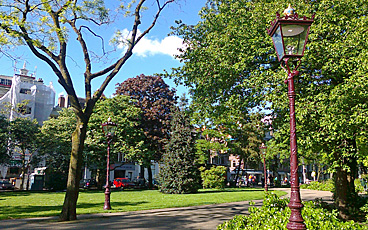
(37, 101)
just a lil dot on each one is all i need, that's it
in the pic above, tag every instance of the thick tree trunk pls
(75, 167)
(345, 195)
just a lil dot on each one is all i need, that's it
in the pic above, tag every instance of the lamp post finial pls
(290, 11)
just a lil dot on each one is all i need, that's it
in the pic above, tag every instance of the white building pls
(23, 87)
(39, 101)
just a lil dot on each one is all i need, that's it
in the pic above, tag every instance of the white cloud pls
(150, 47)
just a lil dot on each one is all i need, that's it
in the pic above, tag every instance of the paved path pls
(206, 217)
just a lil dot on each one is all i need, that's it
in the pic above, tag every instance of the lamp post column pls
(296, 220)
(263, 152)
(265, 173)
(107, 205)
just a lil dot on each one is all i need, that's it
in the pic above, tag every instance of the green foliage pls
(55, 180)
(358, 186)
(327, 185)
(231, 67)
(4, 138)
(129, 138)
(274, 214)
(214, 177)
(179, 173)
(155, 98)
(364, 209)
(47, 28)
(57, 135)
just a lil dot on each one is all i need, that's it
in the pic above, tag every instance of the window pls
(5, 82)
(25, 91)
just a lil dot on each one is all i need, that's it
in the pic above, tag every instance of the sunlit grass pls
(37, 204)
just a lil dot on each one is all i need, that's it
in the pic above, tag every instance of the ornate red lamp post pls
(289, 35)
(108, 129)
(263, 152)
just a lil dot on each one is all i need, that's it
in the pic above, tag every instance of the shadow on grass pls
(231, 190)
(53, 210)
(21, 193)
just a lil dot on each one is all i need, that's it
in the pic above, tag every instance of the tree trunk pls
(237, 172)
(75, 168)
(99, 179)
(345, 194)
(150, 185)
(23, 170)
(141, 174)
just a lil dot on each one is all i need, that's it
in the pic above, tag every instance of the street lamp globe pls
(109, 128)
(289, 34)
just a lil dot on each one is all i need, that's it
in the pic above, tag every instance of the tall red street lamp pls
(263, 152)
(108, 129)
(289, 35)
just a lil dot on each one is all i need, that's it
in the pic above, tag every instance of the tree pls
(230, 65)
(156, 100)
(129, 138)
(247, 136)
(48, 28)
(25, 141)
(179, 172)
(57, 133)
(4, 139)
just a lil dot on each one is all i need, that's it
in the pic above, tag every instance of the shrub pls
(214, 177)
(327, 185)
(358, 186)
(274, 214)
(55, 181)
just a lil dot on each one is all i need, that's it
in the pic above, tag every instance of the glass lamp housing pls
(109, 128)
(290, 35)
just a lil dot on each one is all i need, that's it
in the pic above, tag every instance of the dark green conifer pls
(179, 172)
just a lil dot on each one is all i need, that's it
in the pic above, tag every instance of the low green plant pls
(364, 209)
(214, 177)
(326, 185)
(274, 214)
(358, 186)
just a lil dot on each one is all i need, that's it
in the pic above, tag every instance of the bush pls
(214, 177)
(55, 181)
(327, 185)
(358, 186)
(274, 214)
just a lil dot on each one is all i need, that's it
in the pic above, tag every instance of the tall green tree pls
(155, 98)
(4, 139)
(25, 142)
(57, 136)
(230, 65)
(247, 134)
(56, 30)
(129, 137)
(179, 172)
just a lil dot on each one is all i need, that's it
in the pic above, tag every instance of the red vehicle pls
(123, 183)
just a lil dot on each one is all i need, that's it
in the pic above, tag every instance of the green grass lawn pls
(23, 204)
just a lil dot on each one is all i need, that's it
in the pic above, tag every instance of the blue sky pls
(152, 55)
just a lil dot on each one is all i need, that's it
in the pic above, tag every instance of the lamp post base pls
(107, 205)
